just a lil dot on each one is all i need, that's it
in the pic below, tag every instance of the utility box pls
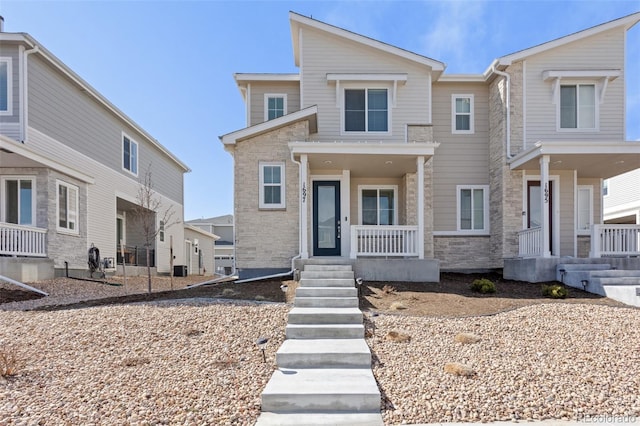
(179, 270)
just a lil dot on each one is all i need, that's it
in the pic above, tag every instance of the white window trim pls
(366, 88)
(9, 61)
(589, 188)
(267, 96)
(395, 200)
(605, 184)
(454, 113)
(3, 203)
(60, 229)
(596, 88)
(485, 200)
(282, 204)
(131, 141)
(162, 232)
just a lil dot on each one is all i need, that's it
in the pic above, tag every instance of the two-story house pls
(221, 226)
(71, 166)
(373, 155)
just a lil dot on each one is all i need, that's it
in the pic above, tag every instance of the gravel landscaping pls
(194, 361)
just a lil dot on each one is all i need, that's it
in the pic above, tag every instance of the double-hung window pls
(275, 105)
(462, 114)
(473, 205)
(67, 207)
(272, 183)
(366, 110)
(5, 87)
(378, 205)
(578, 106)
(19, 200)
(129, 155)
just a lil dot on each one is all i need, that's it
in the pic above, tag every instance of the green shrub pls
(483, 286)
(554, 291)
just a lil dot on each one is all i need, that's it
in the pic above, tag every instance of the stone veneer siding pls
(505, 199)
(266, 238)
(463, 252)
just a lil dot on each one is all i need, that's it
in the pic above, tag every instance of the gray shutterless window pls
(578, 106)
(366, 110)
(5, 102)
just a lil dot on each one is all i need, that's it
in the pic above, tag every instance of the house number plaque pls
(304, 192)
(546, 193)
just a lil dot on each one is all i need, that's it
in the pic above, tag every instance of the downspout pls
(299, 255)
(508, 102)
(25, 93)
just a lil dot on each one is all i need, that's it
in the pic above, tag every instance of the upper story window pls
(462, 114)
(5, 87)
(18, 200)
(275, 105)
(67, 207)
(129, 155)
(578, 106)
(378, 205)
(272, 186)
(366, 110)
(473, 208)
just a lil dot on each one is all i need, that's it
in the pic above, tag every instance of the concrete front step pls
(622, 280)
(324, 331)
(320, 419)
(324, 353)
(327, 282)
(326, 292)
(326, 274)
(326, 302)
(612, 273)
(327, 267)
(319, 390)
(325, 316)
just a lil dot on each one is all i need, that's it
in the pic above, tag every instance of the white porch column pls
(545, 196)
(304, 204)
(420, 183)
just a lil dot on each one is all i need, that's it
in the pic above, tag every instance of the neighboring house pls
(200, 250)
(372, 155)
(71, 166)
(221, 226)
(622, 198)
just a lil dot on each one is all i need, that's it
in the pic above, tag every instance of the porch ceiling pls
(590, 159)
(366, 159)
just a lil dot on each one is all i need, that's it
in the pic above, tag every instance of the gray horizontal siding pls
(259, 89)
(461, 159)
(61, 110)
(623, 189)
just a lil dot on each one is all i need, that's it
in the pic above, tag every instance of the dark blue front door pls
(326, 218)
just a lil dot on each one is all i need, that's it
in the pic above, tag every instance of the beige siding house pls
(223, 227)
(373, 155)
(71, 166)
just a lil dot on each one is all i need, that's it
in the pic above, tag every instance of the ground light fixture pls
(562, 272)
(584, 284)
(373, 317)
(262, 345)
(359, 285)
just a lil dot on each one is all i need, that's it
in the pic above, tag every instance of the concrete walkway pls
(324, 372)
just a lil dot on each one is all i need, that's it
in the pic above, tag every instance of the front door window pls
(326, 218)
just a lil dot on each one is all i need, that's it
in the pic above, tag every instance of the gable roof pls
(99, 98)
(297, 21)
(626, 22)
(226, 219)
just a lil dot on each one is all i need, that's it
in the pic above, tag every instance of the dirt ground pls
(451, 297)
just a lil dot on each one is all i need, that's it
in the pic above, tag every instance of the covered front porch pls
(365, 203)
(562, 207)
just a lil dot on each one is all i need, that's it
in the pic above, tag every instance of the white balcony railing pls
(392, 240)
(530, 242)
(20, 240)
(615, 240)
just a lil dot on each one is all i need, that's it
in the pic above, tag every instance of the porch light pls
(327, 162)
(262, 345)
(388, 162)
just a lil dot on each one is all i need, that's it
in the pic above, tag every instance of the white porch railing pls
(20, 240)
(392, 240)
(615, 240)
(530, 242)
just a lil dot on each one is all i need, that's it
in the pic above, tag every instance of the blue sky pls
(169, 64)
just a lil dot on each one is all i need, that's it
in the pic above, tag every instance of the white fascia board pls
(376, 148)
(248, 77)
(573, 147)
(296, 20)
(399, 77)
(22, 150)
(626, 22)
(69, 73)
(201, 231)
(611, 74)
(462, 78)
(231, 138)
